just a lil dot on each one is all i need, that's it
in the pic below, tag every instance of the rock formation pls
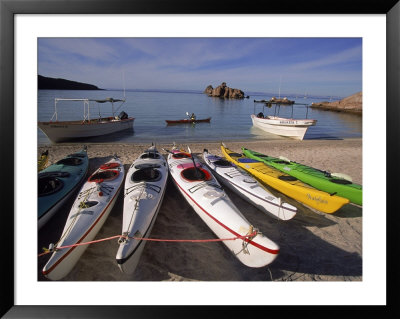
(350, 104)
(224, 91)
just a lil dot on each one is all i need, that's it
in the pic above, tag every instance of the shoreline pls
(314, 246)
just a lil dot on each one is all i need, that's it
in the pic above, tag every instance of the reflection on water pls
(230, 119)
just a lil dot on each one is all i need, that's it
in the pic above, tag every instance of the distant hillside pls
(45, 83)
(351, 104)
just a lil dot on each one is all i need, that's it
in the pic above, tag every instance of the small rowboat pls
(206, 196)
(186, 121)
(333, 183)
(87, 215)
(248, 187)
(145, 186)
(286, 184)
(57, 183)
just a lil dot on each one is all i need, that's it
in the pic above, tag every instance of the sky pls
(311, 66)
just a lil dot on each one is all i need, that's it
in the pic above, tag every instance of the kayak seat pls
(102, 176)
(54, 174)
(181, 155)
(70, 161)
(78, 155)
(287, 178)
(222, 163)
(148, 174)
(235, 155)
(191, 174)
(150, 155)
(48, 185)
(147, 165)
(340, 181)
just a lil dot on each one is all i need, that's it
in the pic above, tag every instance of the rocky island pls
(350, 104)
(224, 91)
(46, 83)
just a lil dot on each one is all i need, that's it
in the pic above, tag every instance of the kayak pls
(42, 161)
(184, 121)
(57, 183)
(206, 196)
(91, 208)
(247, 187)
(322, 180)
(144, 191)
(287, 184)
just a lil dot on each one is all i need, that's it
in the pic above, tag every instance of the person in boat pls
(193, 117)
(260, 115)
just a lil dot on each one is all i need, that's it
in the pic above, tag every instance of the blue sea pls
(230, 119)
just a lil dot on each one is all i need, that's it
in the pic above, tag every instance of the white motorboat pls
(283, 126)
(293, 128)
(59, 131)
(145, 186)
(87, 215)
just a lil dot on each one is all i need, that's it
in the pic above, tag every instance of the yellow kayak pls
(42, 161)
(286, 184)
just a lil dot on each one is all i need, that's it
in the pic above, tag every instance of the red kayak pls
(183, 121)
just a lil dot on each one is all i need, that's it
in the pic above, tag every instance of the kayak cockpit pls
(181, 155)
(70, 161)
(151, 155)
(192, 174)
(48, 185)
(101, 176)
(146, 174)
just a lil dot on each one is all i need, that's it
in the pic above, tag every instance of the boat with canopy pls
(60, 131)
(288, 127)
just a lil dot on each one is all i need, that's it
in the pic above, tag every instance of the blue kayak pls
(57, 182)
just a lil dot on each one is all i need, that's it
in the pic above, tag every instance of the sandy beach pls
(314, 246)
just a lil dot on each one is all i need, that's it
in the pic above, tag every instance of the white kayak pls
(203, 192)
(88, 214)
(248, 187)
(144, 190)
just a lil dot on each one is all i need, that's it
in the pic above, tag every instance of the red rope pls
(250, 236)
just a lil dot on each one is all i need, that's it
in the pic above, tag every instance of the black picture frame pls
(8, 10)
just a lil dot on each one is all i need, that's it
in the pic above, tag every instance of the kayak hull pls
(207, 198)
(248, 188)
(318, 179)
(286, 184)
(144, 191)
(90, 210)
(188, 121)
(58, 182)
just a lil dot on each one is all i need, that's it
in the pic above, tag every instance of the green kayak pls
(318, 179)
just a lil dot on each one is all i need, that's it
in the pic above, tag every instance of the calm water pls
(230, 119)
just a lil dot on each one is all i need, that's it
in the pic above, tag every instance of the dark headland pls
(46, 83)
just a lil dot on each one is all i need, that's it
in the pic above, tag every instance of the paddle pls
(197, 170)
(168, 151)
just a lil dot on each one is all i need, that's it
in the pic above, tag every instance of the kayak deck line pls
(243, 237)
